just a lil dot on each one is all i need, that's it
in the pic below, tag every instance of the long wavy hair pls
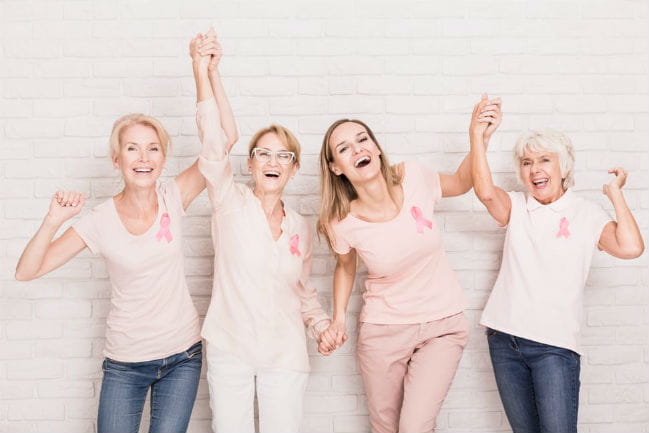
(337, 192)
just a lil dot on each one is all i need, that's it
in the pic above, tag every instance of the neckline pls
(123, 226)
(401, 209)
(282, 224)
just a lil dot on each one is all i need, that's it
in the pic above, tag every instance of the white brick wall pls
(412, 70)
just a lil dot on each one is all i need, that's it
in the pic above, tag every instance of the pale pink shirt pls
(546, 258)
(409, 277)
(151, 315)
(261, 298)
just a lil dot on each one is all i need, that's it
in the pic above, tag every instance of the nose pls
(144, 155)
(356, 147)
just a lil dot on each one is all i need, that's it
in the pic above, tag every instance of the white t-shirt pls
(546, 258)
(152, 315)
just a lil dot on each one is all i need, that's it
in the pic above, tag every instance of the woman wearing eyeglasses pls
(261, 299)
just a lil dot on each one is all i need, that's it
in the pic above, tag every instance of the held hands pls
(332, 338)
(616, 184)
(65, 205)
(206, 51)
(486, 118)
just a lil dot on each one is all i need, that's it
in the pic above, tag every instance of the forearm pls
(228, 122)
(202, 80)
(343, 284)
(464, 174)
(627, 232)
(481, 173)
(32, 258)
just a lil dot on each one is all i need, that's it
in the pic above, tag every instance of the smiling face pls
(354, 153)
(140, 156)
(271, 176)
(541, 174)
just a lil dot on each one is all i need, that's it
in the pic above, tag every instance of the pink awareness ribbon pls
(165, 222)
(563, 228)
(418, 215)
(294, 243)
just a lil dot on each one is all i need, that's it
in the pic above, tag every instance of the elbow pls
(632, 252)
(484, 195)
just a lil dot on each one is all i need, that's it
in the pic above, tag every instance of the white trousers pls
(280, 394)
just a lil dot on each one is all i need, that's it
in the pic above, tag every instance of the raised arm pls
(621, 239)
(485, 120)
(203, 49)
(344, 275)
(228, 123)
(42, 255)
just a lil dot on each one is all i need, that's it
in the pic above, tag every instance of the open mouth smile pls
(362, 162)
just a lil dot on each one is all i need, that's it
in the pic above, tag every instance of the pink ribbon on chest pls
(563, 228)
(422, 222)
(165, 222)
(294, 243)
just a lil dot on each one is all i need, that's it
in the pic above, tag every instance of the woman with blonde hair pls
(261, 298)
(152, 337)
(412, 329)
(533, 314)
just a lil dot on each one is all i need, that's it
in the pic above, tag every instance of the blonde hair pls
(337, 192)
(121, 124)
(552, 141)
(285, 136)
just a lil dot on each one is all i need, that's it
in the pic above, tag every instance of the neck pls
(270, 201)
(138, 200)
(553, 198)
(374, 194)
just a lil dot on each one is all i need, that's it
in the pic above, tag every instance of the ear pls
(249, 165)
(115, 163)
(334, 169)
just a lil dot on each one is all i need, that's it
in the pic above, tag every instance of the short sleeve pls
(171, 195)
(518, 204)
(599, 219)
(339, 244)
(87, 229)
(428, 177)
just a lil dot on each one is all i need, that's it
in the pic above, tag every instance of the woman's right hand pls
(332, 338)
(64, 205)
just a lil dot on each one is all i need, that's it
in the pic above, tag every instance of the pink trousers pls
(407, 371)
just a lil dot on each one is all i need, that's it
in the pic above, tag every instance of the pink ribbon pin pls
(294, 243)
(418, 215)
(563, 228)
(165, 222)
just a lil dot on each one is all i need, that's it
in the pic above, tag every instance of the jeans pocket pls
(196, 349)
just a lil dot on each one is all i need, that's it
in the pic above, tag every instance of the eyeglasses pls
(284, 157)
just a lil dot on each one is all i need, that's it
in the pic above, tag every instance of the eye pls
(526, 163)
(154, 148)
(362, 139)
(342, 149)
(546, 159)
(263, 153)
(284, 156)
(130, 148)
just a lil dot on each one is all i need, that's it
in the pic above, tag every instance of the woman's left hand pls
(616, 184)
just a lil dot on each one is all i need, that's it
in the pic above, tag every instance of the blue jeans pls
(173, 382)
(538, 383)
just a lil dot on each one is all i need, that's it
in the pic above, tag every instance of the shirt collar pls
(558, 206)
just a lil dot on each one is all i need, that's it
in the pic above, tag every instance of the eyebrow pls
(343, 142)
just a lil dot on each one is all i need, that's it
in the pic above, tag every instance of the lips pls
(143, 170)
(272, 174)
(362, 161)
(540, 183)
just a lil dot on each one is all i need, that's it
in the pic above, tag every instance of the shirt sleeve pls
(87, 229)
(429, 178)
(314, 317)
(599, 218)
(339, 244)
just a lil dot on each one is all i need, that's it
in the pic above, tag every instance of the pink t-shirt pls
(409, 277)
(152, 315)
